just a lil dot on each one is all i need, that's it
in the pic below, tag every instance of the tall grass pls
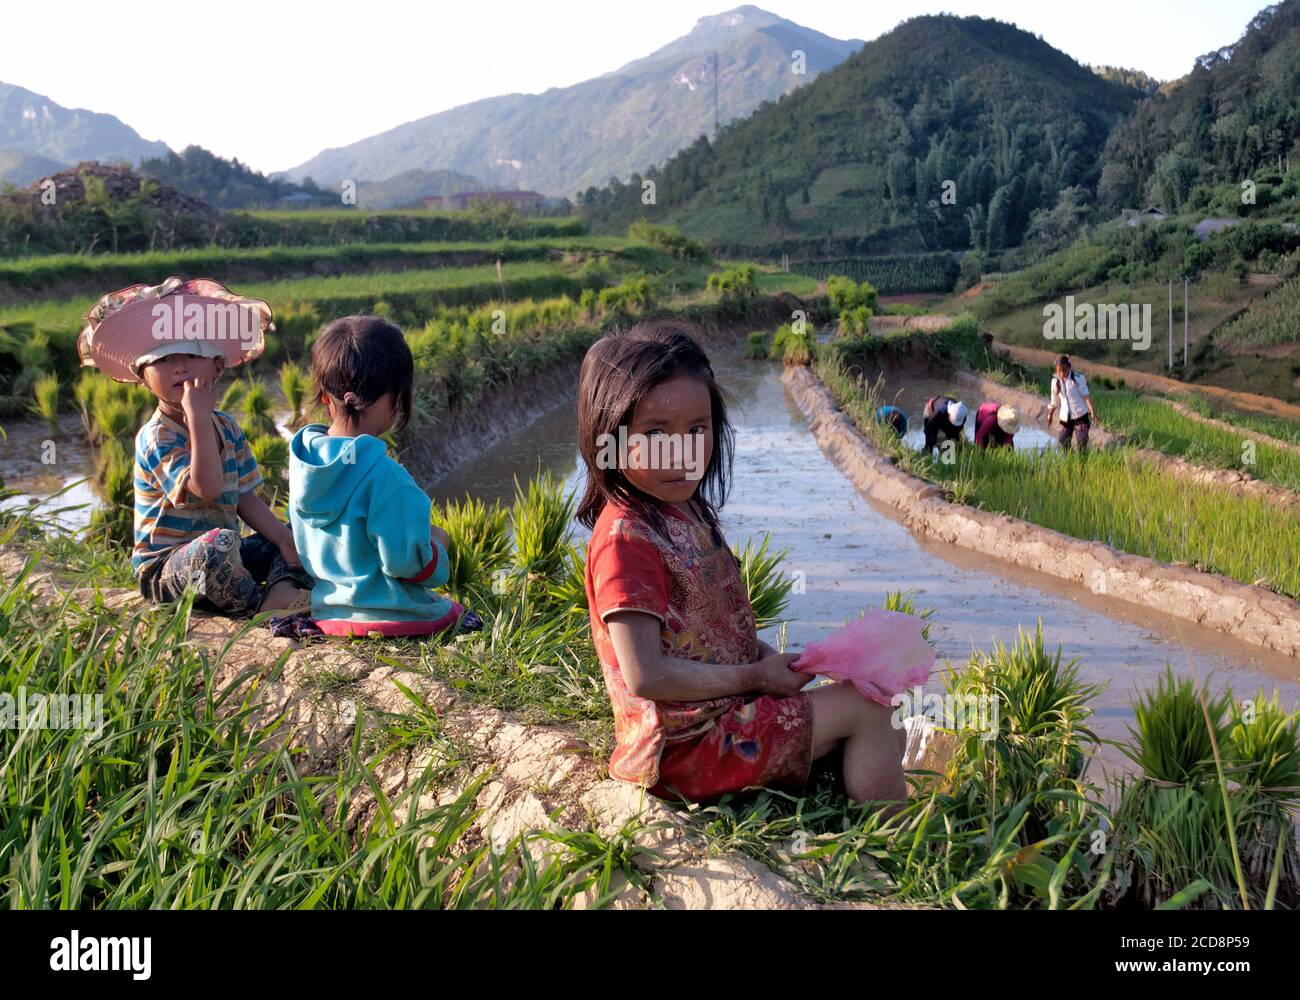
(176, 801)
(541, 519)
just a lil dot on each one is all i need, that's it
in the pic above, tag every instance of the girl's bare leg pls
(873, 748)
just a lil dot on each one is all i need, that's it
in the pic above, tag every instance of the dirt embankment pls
(535, 770)
(1148, 382)
(1252, 614)
(433, 450)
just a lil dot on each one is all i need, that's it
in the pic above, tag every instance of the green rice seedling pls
(114, 418)
(904, 602)
(1172, 742)
(569, 592)
(1265, 744)
(272, 456)
(1022, 733)
(232, 400)
(1183, 833)
(479, 542)
(115, 475)
(756, 345)
(855, 322)
(1113, 496)
(1149, 422)
(800, 348)
(294, 385)
(84, 391)
(256, 412)
(540, 519)
(780, 337)
(46, 405)
(766, 584)
(528, 660)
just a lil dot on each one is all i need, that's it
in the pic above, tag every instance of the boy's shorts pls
(230, 574)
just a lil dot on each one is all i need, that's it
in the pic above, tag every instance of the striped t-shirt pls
(167, 514)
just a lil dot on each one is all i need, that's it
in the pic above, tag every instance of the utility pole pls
(1171, 324)
(715, 95)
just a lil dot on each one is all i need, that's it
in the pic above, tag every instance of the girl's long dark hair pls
(366, 355)
(617, 373)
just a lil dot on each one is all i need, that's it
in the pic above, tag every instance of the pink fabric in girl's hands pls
(880, 654)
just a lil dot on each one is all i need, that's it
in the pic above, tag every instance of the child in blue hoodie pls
(360, 523)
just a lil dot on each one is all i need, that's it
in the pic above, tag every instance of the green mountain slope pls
(21, 169)
(1234, 114)
(565, 139)
(856, 162)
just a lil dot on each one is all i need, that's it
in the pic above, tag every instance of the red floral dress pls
(702, 749)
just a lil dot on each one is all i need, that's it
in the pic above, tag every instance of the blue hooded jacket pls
(361, 526)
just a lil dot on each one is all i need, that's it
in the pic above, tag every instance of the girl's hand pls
(198, 398)
(772, 675)
(438, 535)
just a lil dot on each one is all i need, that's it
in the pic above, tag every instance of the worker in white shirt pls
(1071, 404)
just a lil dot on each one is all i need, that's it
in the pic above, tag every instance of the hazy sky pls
(273, 83)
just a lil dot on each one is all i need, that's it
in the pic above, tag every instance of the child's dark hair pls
(366, 355)
(617, 373)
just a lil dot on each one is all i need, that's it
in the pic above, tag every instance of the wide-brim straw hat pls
(1008, 419)
(129, 328)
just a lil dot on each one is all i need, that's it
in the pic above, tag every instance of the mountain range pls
(568, 138)
(39, 136)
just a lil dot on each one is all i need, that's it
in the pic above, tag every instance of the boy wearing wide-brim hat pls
(195, 475)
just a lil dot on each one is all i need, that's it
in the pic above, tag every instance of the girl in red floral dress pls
(701, 706)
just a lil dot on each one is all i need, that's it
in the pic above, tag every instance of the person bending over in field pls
(944, 419)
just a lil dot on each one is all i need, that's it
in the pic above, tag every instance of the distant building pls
(298, 199)
(525, 201)
(433, 201)
(1208, 227)
(1152, 214)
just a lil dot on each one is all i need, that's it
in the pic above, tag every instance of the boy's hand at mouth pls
(198, 398)
(438, 535)
(772, 675)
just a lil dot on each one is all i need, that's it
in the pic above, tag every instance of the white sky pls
(273, 83)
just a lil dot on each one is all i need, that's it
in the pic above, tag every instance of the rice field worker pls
(1071, 404)
(996, 425)
(944, 420)
(895, 417)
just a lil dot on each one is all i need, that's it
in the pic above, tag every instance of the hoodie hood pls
(325, 472)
